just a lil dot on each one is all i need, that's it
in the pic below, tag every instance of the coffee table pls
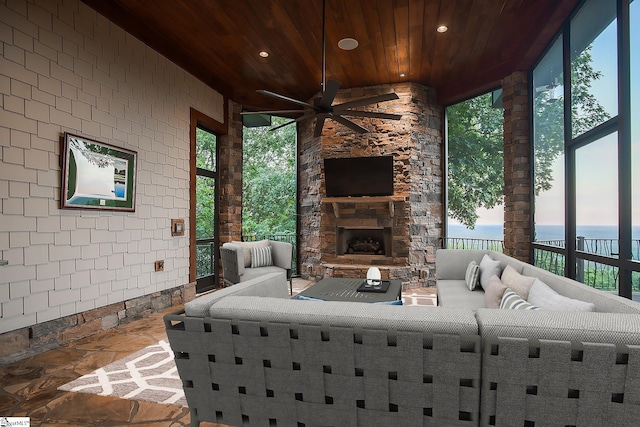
(343, 289)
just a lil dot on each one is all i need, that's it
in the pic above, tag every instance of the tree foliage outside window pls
(269, 180)
(475, 161)
(206, 146)
(476, 147)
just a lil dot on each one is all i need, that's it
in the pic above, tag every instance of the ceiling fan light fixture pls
(442, 29)
(348, 43)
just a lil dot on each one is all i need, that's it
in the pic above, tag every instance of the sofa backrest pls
(451, 264)
(267, 285)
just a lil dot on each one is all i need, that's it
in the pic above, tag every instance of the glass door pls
(206, 210)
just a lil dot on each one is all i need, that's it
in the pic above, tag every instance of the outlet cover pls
(159, 265)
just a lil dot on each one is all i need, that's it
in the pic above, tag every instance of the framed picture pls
(96, 175)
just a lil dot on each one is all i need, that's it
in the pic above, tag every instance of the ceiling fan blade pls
(319, 125)
(372, 114)
(365, 101)
(282, 125)
(286, 98)
(329, 94)
(348, 123)
(298, 119)
(248, 113)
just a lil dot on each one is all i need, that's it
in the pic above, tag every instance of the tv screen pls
(359, 176)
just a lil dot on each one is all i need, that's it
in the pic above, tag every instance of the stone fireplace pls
(399, 234)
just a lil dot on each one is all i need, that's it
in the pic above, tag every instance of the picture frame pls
(96, 175)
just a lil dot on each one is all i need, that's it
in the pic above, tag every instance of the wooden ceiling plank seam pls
(416, 28)
(362, 58)
(431, 19)
(446, 42)
(401, 18)
(388, 34)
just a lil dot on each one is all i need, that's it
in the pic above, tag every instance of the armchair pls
(238, 264)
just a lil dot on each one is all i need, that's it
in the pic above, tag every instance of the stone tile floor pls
(29, 388)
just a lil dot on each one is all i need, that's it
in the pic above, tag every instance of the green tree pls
(269, 180)
(475, 177)
(476, 151)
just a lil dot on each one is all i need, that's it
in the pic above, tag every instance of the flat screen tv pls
(359, 176)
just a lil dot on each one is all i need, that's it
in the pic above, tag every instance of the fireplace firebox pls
(360, 241)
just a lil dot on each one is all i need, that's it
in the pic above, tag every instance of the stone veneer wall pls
(416, 142)
(517, 167)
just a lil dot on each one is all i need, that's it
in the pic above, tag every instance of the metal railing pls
(279, 237)
(468, 243)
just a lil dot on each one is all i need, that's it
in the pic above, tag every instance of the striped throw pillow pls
(511, 300)
(472, 275)
(261, 257)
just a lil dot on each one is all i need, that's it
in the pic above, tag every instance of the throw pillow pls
(488, 268)
(517, 282)
(261, 257)
(493, 293)
(545, 297)
(511, 300)
(471, 276)
(246, 249)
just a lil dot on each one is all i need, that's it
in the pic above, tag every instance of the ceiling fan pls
(323, 108)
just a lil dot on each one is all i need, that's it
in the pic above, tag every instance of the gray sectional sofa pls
(249, 355)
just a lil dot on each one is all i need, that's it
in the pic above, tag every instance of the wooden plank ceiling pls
(219, 40)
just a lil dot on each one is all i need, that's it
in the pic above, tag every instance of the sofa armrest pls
(281, 253)
(272, 285)
(232, 257)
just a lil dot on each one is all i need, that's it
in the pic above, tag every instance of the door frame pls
(202, 121)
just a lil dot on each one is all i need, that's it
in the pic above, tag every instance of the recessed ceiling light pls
(264, 54)
(348, 44)
(402, 75)
(442, 29)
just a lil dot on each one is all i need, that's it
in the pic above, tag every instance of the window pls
(594, 72)
(600, 153)
(548, 147)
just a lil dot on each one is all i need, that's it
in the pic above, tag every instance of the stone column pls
(230, 176)
(517, 166)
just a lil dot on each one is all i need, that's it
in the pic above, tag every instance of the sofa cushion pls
(348, 314)
(493, 293)
(545, 297)
(512, 301)
(454, 293)
(261, 257)
(576, 326)
(271, 284)
(471, 276)
(488, 267)
(517, 282)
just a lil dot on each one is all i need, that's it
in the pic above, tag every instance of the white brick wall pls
(64, 68)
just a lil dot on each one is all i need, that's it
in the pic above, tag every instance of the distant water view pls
(544, 232)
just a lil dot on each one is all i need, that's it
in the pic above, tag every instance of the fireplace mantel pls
(390, 200)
